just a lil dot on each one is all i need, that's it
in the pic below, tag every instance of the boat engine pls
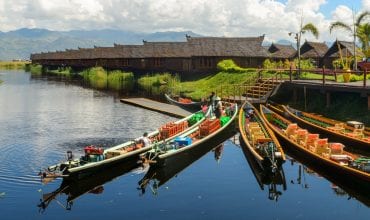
(69, 156)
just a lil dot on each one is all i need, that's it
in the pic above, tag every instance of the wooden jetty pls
(152, 105)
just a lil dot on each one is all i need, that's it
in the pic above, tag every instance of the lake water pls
(40, 119)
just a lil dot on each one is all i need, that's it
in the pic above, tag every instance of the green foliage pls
(62, 71)
(118, 80)
(229, 66)
(13, 64)
(311, 28)
(35, 69)
(158, 84)
(99, 78)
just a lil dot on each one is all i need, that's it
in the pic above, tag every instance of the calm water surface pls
(41, 119)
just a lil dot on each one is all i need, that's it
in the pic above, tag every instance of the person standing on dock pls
(218, 107)
(212, 101)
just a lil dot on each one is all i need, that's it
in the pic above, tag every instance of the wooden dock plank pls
(152, 105)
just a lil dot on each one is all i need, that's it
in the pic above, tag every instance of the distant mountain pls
(19, 44)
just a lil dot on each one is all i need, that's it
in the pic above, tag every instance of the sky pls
(229, 18)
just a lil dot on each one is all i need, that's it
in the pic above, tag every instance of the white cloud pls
(208, 17)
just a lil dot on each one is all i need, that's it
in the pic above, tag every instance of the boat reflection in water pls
(74, 188)
(159, 175)
(275, 181)
(340, 185)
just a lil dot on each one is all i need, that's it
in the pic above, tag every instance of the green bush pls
(35, 69)
(229, 66)
(99, 78)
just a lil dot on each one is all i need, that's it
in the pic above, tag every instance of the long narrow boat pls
(329, 156)
(97, 158)
(184, 103)
(75, 188)
(204, 133)
(265, 177)
(259, 139)
(159, 175)
(352, 134)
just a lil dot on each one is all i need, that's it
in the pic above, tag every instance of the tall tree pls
(363, 33)
(354, 29)
(309, 27)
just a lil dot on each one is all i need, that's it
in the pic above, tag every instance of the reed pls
(159, 83)
(118, 80)
(13, 64)
(99, 78)
(35, 69)
(62, 71)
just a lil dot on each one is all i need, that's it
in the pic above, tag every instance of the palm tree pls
(309, 27)
(354, 31)
(363, 33)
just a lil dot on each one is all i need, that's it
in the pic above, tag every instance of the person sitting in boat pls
(249, 113)
(218, 107)
(146, 141)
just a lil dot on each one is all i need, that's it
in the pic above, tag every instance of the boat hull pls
(214, 140)
(191, 107)
(352, 144)
(357, 177)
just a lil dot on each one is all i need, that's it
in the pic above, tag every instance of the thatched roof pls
(167, 49)
(345, 46)
(194, 46)
(313, 50)
(281, 51)
(227, 47)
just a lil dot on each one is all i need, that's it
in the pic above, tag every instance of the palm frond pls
(362, 17)
(311, 28)
(339, 25)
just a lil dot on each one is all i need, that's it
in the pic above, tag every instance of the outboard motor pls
(69, 156)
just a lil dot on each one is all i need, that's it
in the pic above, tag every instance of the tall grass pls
(99, 78)
(118, 80)
(13, 64)
(35, 69)
(158, 84)
(62, 71)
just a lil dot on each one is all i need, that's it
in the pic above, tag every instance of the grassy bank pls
(13, 64)
(100, 78)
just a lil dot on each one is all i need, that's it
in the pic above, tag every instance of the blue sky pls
(275, 18)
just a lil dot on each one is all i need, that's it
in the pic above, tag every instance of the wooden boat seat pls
(336, 148)
(114, 153)
(311, 138)
(263, 140)
(322, 147)
(291, 129)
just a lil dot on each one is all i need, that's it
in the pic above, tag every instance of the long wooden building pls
(196, 54)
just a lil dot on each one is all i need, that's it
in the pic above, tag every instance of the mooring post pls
(295, 95)
(323, 76)
(327, 99)
(365, 77)
(290, 74)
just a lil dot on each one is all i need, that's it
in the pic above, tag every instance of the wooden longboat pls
(189, 106)
(266, 177)
(355, 139)
(159, 175)
(80, 167)
(259, 139)
(194, 138)
(75, 188)
(322, 159)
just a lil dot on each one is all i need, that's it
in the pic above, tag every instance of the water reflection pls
(341, 185)
(157, 175)
(274, 181)
(74, 188)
